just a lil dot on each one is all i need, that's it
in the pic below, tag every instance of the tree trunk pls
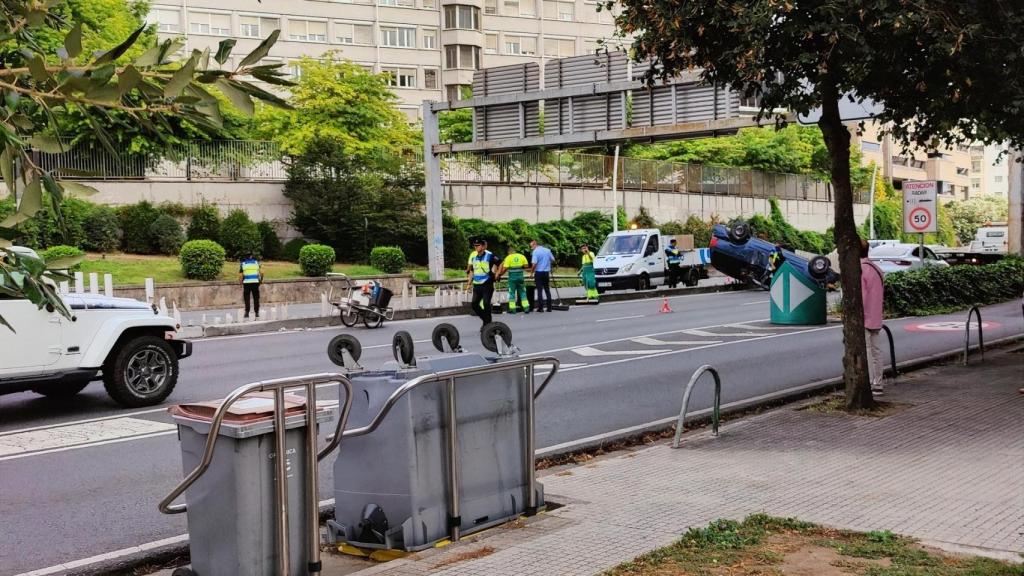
(855, 366)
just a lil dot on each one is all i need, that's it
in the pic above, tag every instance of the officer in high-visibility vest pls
(480, 269)
(515, 264)
(776, 258)
(587, 273)
(674, 258)
(250, 274)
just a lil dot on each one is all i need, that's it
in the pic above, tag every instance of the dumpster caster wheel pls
(341, 344)
(184, 571)
(402, 348)
(445, 332)
(493, 331)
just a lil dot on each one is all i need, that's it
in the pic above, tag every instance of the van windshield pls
(630, 244)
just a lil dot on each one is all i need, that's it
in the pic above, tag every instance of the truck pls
(990, 244)
(635, 259)
(125, 343)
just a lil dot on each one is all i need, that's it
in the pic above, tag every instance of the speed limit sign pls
(919, 206)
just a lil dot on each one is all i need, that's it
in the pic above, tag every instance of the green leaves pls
(237, 97)
(180, 79)
(117, 51)
(73, 41)
(224, 50)
(261, 51)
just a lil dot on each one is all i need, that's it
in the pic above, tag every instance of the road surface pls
(82, 477)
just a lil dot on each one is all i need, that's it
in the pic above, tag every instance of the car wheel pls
(349, 316)
(739, 232)
(142, 373)
(63, 390)
(818, 267)
(643, 282)
(692, 277)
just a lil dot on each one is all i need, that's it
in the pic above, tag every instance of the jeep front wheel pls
(142, 373)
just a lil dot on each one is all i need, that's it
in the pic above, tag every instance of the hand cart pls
(370, 305)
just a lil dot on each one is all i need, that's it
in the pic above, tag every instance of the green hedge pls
(316, 260)
(165, 235)
(201, 259)
(102, 233)
(240, 236)
(269, 240)
(291, 249)
(205, 223)
(136, 220)
(54, 253)
(939, 290)
(387, 259)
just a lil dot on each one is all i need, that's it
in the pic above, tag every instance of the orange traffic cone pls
(665, 308)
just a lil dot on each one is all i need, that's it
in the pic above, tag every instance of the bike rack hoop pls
(974, 311)
(716, 413)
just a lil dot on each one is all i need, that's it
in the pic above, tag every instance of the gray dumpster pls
(393, 482)
(231, 515)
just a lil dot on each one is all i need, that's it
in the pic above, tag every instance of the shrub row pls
(316, 259)
(201, 259)
(387, 259)
(938, 290)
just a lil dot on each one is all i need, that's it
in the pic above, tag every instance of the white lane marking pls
(89, 433)
(697, 332)
(757, 302)
(656, 342)
(773, 327)
(90, 445)
(620, 318)
(87, 420)
(591, 351)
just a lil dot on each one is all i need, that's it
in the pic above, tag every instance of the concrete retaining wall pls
(211, 295)
(542, 203)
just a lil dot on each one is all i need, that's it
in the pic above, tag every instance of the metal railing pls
(313, 457)
(199, 160)
(451, 438)
(573, 169)
(967, 334)
(716, 410)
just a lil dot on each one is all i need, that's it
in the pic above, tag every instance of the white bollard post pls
(163, 306)
(284, 311)
(94, 283)
(149, 290)
(63, 287)
(175, 313)
(79, 283)
(323, 305)
(437, 297)
(241, 315)
(108, 284)
(273, 313)
(228, 319)
(203, 321)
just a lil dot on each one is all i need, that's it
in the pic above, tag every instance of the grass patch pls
(762, 545)
(836, 404)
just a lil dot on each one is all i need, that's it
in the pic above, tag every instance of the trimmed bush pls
(205, 223)
(269, 240)
(201, 259)
(387, 259)
(101, 231)
(938, 290)
(55, 253)
(136, 220)
(316, 259)
(240, 236)
(291, 249)
(165, 235)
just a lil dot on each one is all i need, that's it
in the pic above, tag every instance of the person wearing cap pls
(515, 264)
(250, 274)
(587, 273)
(480, 269)
(674, 258)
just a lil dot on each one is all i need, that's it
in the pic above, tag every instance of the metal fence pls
(200, 160)
(571, 169)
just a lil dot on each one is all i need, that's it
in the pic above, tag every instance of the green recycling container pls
(796, 299)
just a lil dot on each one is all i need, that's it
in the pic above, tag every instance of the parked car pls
(903, 257)
(734, 253)
(124, 342)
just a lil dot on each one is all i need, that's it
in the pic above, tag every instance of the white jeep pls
(123, 341)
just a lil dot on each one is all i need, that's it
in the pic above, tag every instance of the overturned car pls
(735, 253)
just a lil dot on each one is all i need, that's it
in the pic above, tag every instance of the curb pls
(195, 332)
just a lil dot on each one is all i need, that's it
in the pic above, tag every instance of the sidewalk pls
(945, 465)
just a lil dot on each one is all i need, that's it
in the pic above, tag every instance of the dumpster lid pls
(251, 408)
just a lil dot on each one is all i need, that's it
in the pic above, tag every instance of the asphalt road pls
(81, 478)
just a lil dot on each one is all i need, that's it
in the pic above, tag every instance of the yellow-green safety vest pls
(515, 264)
(588, 259)
(481, 266)
(250, 271)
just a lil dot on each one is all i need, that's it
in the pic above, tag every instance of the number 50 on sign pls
(919, 207)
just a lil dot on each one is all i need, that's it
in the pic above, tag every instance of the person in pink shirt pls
(871, 290)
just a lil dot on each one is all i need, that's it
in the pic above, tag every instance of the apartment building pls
(990, 172)
(429, 47)
(951, 167)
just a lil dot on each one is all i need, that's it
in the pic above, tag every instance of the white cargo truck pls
(635, 259)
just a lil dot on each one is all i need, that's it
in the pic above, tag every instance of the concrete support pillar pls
(432, 173)
(1016, 193)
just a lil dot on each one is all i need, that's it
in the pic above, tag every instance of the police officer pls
(480, 269)
(674, 258)
(250, 274)
(515, 264)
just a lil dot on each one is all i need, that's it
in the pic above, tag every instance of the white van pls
(636, 259)
(991, 240)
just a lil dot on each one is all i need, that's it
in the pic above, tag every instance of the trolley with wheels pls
(370, 306)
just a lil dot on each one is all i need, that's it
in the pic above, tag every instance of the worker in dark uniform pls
(480, 269)
(250, 274)
(674, 258)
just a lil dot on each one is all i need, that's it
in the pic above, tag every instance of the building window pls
(430, 78)
(523, 45)
(491, 44)
(430, 4)
(165, 20)
(520, 8)
(867, 146)
(490, 6)
(458, 56)
(400, 77)
(295, 69)
(307, 31)
(997, 179)
(346, 33)
(961, 171)
(430, 38)
(559, 47)
(401, 3)
(975, 165)
(459, 92)
(209, 23)
(559, 10)
(257, 26)
(396, 37)
(976, 183)
(462, 17)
